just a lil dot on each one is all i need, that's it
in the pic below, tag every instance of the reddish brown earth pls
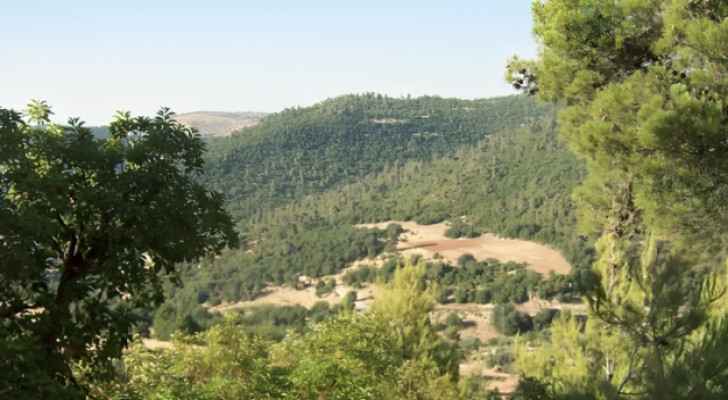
(428, 240)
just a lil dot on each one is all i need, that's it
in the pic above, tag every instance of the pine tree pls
(644, 85)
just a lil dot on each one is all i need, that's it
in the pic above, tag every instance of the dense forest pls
(310, 150)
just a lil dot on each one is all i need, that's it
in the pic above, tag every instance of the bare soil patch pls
(428, 240)
(155, 344)
(288, 296)
(475, 316)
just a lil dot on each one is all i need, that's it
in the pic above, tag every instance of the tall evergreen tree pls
(645, 89)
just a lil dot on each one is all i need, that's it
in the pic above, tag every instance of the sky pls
(89, 59)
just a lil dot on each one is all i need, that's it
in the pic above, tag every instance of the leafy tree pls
(644, 84)
(390, 352)
(87, 230)
(221, 363)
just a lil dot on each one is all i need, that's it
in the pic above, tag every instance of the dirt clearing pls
(428, 240)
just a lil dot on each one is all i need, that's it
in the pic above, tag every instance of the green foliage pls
(220, 363)
(509, 321)
(588, 361)
(275, 322)
(348, 301)
(89, 227)
(460, 229)
(514, 183)
(454, 319)
(310, 150)
(364, 274)
(181, 316)
(479, 282)
(648, 70)
(491, 281)
(500, 357)
(325, 286)
(645, 98)
(285, 253)
(543, 319)
(388, 353)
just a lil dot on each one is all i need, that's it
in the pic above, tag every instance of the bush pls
(325, 286)
(359, 276)
(501, 356)
(393, 231)
(349, 300)
(270, 321)
(509, 321)
(543, 319)
(469, 345)
(483, 296)
(460, 229)
(466, 259)
(461, 295)
(430, 217)
(454, 319)
(320, 311)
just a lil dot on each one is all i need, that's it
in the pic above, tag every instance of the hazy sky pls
(90, 58)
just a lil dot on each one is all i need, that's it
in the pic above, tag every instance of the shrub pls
(483, 296)
(454, 319)
(543, 319)
(501, 356)
(469, 345)
(509, 321)
(466, 259)
(349, 300)
(461, 295)
(460, 229)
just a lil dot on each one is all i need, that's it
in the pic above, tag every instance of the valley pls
(486, 210)
(565, 240)
(429, 242)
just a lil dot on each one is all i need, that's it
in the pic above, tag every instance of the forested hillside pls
(566, 243)
(515, 182)
(310, 150)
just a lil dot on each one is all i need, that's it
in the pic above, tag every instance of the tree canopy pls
(644, 86)
(88, 230)
(390, 352)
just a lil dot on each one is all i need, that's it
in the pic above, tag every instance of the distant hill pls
(303, 151)
(215, 123)
(208, 123)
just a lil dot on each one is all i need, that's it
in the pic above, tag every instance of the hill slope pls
(514, 182)
(305, 151)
